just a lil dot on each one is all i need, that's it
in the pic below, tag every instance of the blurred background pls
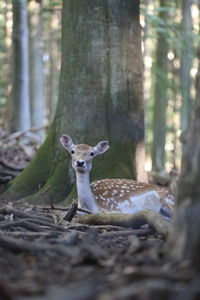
(170, 46)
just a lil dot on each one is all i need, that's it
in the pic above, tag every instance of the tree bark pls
(36, 65)
(184, 241)
(100, 97)
(54, 28)
(186, 64)
(161, 100)
(21, 105)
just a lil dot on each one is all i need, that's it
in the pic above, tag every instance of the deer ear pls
(101, 147)
(67, 142)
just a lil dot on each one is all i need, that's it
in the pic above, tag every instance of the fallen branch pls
(154, 219)
(18, 134)
(11, 166)
(22, 223)
(17, 245)
(31, 234)
(7, 210)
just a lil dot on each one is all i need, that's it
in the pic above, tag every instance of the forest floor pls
(43, 256)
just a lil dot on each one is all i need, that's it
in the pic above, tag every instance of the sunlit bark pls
(36, 65)
(21, 105)
(161, 98)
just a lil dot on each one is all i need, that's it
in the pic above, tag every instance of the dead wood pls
(19, 134)
(72, 211)
(11, 166)
(31, 234)
(84, 210)
(17, 245)
(154, 219)
(157, 272)
(7, 210)
(47, 224)
(22, 223)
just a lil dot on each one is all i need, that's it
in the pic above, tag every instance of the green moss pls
(58, 185)
(117, 162)
(72, 195)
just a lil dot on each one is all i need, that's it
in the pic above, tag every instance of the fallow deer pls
(114, 195)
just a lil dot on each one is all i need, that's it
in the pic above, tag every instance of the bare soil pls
(42, 256)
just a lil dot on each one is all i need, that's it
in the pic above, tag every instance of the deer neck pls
(85, 196)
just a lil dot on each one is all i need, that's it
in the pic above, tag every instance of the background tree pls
(53, 48)
(186, 64)
(161, 96)
(36, 82)
(5, 57)
(100, 98)
(20, 94)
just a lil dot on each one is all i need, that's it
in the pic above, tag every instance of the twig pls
(51, 225)
(85, 210)
(67, 208)
(159, 273)
(17, 245)
(31, 234)
(18, 213)
(22, 223)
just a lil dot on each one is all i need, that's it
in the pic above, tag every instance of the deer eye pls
(92, 154)
(72, 152)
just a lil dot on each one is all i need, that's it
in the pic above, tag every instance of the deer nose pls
(80, 163)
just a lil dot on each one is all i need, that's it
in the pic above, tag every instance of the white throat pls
(85, 196)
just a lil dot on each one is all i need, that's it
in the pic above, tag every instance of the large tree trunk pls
(20, 108)
(184, 241)
(161, 101)
(100, 97)
(36, 65)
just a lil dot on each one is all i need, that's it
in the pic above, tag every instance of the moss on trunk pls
(47, 177)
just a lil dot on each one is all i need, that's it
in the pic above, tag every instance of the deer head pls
(83, 154)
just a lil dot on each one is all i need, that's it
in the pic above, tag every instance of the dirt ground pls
(44, 255)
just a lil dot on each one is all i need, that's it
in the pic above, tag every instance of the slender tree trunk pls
(100, 97)
(21, 106)
(5, 62)
(36, 65)
(186, 64)
(54, 60)
(161, 99)
(148, 45)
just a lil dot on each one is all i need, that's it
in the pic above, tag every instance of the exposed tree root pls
(156, 221)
